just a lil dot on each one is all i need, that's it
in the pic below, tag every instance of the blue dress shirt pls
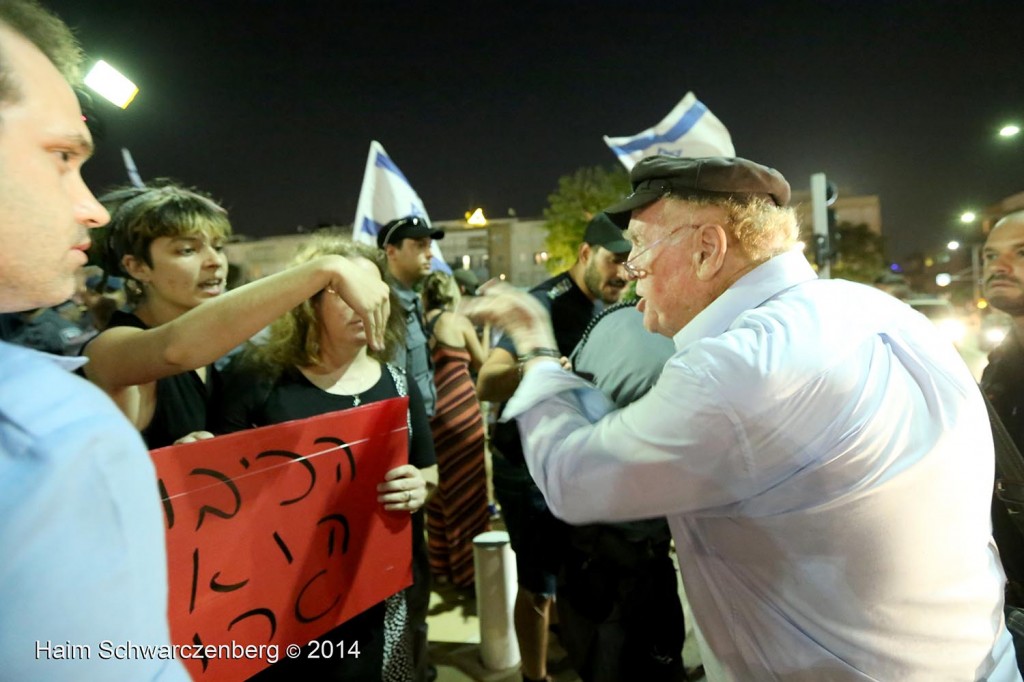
(83, 574)
(825, 462)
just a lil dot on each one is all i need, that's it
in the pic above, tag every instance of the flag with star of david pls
(689, 131)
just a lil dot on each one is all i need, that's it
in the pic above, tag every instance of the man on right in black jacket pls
(1003, 383)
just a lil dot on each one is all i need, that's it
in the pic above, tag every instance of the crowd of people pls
(818, 459)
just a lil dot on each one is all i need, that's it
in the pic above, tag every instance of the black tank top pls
(181, 400)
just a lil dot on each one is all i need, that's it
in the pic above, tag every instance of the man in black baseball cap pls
(407, 245)
(409, 227)
(572, 298)
(601, 255)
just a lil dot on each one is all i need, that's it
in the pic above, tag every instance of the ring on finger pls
(408, 495)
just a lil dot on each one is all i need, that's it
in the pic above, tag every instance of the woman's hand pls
(403, 489)
(193, 437)
(369, 297)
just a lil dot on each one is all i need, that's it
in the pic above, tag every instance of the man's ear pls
(584, 253)
(709, 257)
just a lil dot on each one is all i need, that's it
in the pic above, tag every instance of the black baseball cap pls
(601, 231)
(713, 176)
(409, 227)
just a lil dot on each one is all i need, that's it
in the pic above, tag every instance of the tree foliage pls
(579, 197)
(861, 253)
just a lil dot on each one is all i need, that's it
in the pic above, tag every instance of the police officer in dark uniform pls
(572, 299)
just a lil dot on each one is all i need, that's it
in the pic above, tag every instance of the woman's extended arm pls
(124, 358)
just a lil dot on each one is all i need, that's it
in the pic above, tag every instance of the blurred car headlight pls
(954, 330)
(995, 336)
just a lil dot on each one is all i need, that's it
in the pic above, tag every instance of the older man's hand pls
(515, 312)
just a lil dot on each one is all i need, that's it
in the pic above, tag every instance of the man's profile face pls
(45, 207)
(1003, 271)
(671, 293)
(409, 260)
(604, 276)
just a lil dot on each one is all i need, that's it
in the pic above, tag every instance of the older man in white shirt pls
(823, 456)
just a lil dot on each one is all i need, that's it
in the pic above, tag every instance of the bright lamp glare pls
(995, 336)
(108, 82)
(954, 330)
(1009, 130)
(943, 279)
(968, 217)
(477, 219)
(953, 246)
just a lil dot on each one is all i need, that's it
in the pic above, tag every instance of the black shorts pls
(537, 537)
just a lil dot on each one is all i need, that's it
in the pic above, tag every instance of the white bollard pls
(496, 588)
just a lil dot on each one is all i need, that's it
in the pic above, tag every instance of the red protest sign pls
(275, 535)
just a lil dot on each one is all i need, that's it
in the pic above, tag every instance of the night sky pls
(271, 106)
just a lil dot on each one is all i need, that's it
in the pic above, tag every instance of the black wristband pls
(539, 353)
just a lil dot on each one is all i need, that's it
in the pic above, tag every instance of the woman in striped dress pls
(457, 512)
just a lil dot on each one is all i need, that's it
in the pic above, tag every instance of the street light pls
(1009, 130)
(112, 84)
(968, 217)
(953, 245)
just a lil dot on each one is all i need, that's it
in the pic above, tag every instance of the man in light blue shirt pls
(822, 455)
(84, 573)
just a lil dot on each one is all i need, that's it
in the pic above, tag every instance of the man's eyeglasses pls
(633, 271)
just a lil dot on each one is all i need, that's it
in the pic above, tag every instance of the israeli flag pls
(386, 195)
(689, 131)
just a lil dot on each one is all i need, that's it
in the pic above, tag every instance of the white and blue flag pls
(129, 166)
(386, 195)
(689, 131)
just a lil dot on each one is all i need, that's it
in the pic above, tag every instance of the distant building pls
(506, 247)
(991, 214)
(856, 210)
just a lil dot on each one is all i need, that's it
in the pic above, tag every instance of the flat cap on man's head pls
(715, 176)
(601, 231)
(409, 227)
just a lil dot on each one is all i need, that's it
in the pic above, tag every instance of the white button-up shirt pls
(825, 461)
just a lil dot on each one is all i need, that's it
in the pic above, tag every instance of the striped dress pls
(457, 511)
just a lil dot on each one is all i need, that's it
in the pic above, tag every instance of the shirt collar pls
(749, 291)
(408, 297)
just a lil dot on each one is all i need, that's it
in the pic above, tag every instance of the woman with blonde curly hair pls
(317, 360)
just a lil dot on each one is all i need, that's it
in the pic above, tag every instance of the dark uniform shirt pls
(1003, 383)
(414, 358)
(571, 312)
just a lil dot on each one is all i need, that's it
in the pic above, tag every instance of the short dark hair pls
(47, 32)
(163, 208)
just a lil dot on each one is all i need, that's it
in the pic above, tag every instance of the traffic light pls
(822, 250)
(826, 237)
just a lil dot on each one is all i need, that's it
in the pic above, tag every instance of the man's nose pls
(88, 211)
